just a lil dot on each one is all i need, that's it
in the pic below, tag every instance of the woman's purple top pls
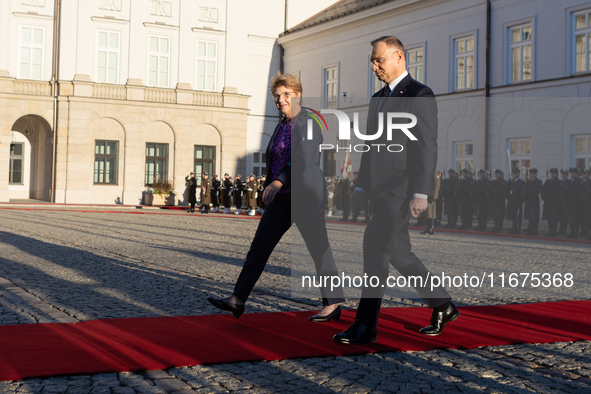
(281, 152)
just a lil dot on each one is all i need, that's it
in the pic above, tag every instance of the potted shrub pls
(161, 193)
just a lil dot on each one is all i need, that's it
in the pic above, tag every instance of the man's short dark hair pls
(390, 41)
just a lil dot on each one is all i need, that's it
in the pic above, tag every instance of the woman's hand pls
(271, 190)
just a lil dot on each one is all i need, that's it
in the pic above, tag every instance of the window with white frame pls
(582, 150)
(105, 162)
(464, 62)
(206, 65)
(15, 166)
(331, 87)
(259, 163)
(156, 162)
(415, 63)
(520, 154)
(107, 56)
(521, 53)
(159, 61)
(32, 48)
(464, 155)
(582, 31)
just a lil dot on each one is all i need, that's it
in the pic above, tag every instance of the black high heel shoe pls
(336, 315)
(237, 310)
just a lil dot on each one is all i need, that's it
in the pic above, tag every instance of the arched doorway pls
(30, 159)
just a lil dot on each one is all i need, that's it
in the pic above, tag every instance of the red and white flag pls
(346, 168)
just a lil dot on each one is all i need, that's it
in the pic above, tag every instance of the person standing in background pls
(533, 189)
(552, 196)
(238, 194)
(205, 192)
(191, 191)
(215, 193)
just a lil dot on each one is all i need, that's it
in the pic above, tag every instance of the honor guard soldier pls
(251, 192)
(553, 206)
(450, 198)
(191, 191)
(586, 199)
(227, 193)
(515, 194)
(533, 188)
(261, 204)
(466, 199)
(205, 192)
(330, 192)
(481, 199)
(584, 227)
(573, 205)
(430, 213)
(439, 202)
(238, 187)
(496, 192)
(563, 223)
(215, 193)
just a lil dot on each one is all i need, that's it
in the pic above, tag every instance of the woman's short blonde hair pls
(288, 81)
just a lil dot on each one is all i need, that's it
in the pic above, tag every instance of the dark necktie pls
(385, 94)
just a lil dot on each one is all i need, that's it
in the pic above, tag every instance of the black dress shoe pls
(336, 315)
(439, 320)
(237, 310)
(357, 333)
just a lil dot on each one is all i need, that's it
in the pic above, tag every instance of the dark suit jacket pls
(302, 174)
(412, 170)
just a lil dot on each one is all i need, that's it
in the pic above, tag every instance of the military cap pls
(554, 170)
(451, 170)
(564, 171)
(252, 176)
(482, 171)
(497, 171)
(192, 173)
(238, 176)
(226, 174)
(516, 170)
(534, 170)
(263, 176)
(574, 169)
(205, 173)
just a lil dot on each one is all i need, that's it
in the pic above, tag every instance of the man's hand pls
(417, 205)
(355, 199)
(271, 190)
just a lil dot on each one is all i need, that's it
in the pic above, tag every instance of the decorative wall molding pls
(34, 3)
(161, 8)
(208, 14)
(30, 87)
(110, 5)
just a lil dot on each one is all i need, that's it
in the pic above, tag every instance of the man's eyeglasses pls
(284, 95)
(380, 60)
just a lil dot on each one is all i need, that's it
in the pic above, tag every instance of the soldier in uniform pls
(262, 204)
(191, 191)
(584, 227)
(215, 193)
(345, 193)
(330, 189)
(533, 189)
(439, 202)
(586, 200)
(515, 194)
(205, 192)
(496, 192)
(450, 198)
(238, 187)
(481, 200)
(430, 212)
(562, 221)
(227, 193)
(572, 202)
(251, 192)
(466, 198)
(553, 207)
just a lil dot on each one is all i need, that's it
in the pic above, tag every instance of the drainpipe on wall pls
(487, 84)
(55, 92)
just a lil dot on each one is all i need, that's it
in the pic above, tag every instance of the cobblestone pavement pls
(68, 266)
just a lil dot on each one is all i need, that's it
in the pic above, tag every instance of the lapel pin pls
(401, 92)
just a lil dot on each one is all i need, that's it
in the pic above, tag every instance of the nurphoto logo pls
(345, 130)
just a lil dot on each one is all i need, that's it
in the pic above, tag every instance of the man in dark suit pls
(533, 188)
(400, 184)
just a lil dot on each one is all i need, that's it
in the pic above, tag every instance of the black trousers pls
(386, 241)
(308, 215)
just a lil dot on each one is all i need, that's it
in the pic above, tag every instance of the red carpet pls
(36, 350)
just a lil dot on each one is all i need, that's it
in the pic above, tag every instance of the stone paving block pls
(55, 388)
(79, 389)
(558, 373)
(156, 374)
(123, 390)
(171, 384)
